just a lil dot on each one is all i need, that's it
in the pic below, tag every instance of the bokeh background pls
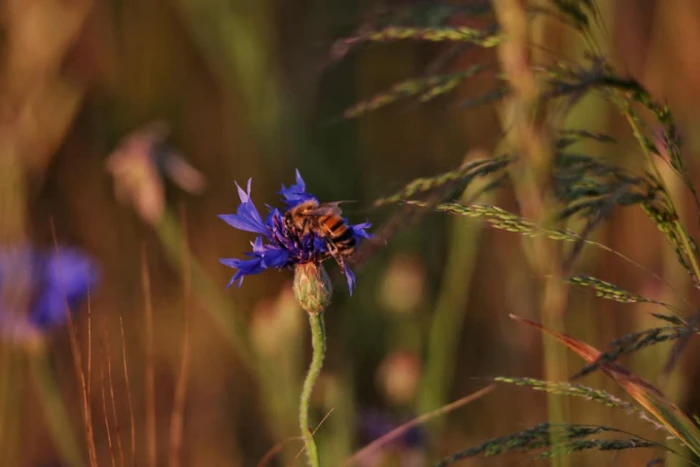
(257, 89)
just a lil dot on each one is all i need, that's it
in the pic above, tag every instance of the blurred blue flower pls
(280, 246)
(374, 424)
(44, 281)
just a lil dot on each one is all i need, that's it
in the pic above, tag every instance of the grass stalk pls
(117, 429)
(132, 425)
(593, 113)
(449, 315)
(78, 367)
(105, 412)
(675, 384)
(178, 413)
(685, 239)
(397, 432)
(524, 114)
(318, 344)
(54, 409)
(151, 439)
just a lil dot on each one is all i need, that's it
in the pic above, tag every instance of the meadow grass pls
(544, 196)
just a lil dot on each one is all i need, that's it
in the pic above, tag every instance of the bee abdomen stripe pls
(336, 225)
(345, 237)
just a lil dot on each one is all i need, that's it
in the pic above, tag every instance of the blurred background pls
(124, 126)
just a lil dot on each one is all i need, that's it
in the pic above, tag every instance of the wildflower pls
(140, 163)
(280, 245)
(406, 448)
(37, 285)
(375, 424)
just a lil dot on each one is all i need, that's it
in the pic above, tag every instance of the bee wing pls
(335, 203)
(328, 208)
(325, 209)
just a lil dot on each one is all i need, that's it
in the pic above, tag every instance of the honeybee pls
(326, 221)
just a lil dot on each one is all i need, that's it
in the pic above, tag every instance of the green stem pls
(318, 343)
(448, 318)
(57, 417)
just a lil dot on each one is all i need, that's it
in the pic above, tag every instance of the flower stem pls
(318, 343)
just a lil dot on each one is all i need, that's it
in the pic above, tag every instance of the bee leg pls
(333, 250)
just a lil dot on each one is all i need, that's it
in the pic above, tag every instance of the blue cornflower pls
(41, 282)
(281, 245)
(374, 424)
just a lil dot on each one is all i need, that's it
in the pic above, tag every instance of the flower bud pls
(312, 287)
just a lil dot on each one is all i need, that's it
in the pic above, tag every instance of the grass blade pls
(668, 414)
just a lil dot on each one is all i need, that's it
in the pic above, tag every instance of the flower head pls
(281, 243)
(374, 424)
(42, 283)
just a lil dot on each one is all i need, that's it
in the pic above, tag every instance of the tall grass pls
(529, 223)
(553, 186)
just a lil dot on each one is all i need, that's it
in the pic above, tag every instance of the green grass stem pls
(450, 312)
(530, 136)
(54, 409)
(318, 344)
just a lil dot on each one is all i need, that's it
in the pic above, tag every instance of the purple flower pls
(403, 447)
(42, 283)
(280, 245)
(374, 424)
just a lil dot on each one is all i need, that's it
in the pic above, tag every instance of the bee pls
(326, 221)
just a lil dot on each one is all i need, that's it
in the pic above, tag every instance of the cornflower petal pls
(245, 268)
(350, 276)
(258, 247)
(359, 230)
(320, 244)
(300, 181)
(247, 217)
(296, 193)
(275, 258)
(264, 257)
